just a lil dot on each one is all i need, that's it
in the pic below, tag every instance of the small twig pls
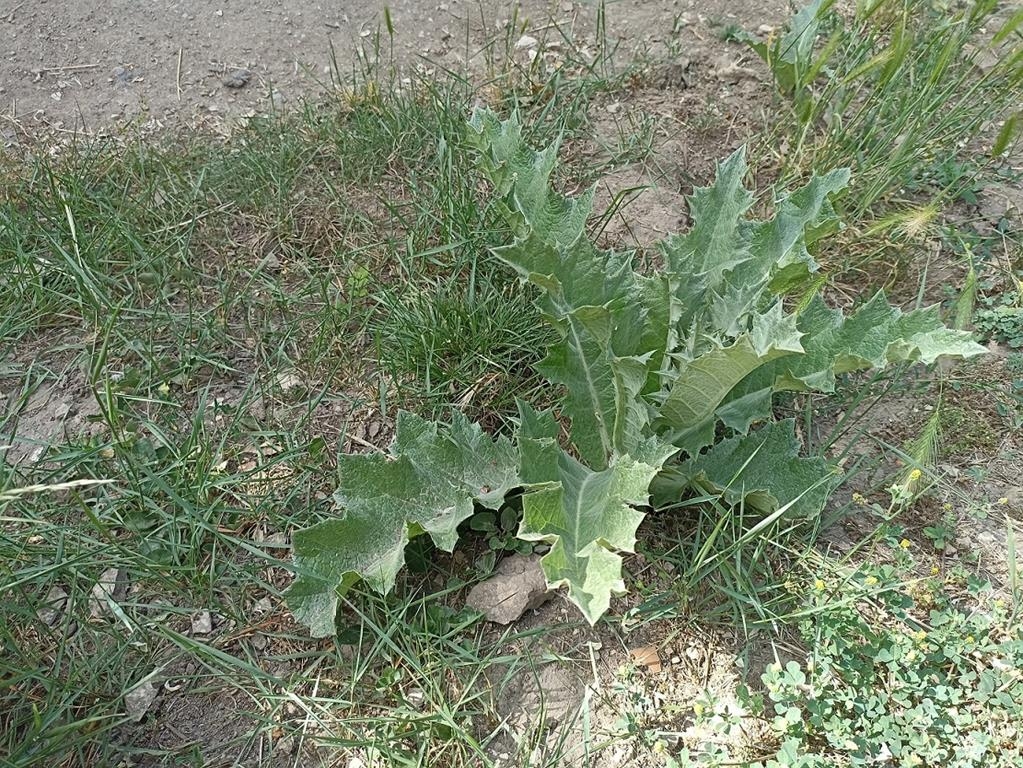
(68, 68)
(365, 443)
(14, 493)
(192, 220)
(181, 52)
(9, 18)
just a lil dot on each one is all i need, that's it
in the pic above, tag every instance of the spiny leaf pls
(761, 470)
(719, 240)
(587, 517)
(875, 336)
(780, 244)
(703, 384)
(522, 175)
(428, 484)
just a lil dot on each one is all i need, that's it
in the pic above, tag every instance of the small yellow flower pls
(971, 639)
(870, 581)
(999, 603)
(819, 585)
(905, 543)
(915, 475)
(698, 708)
(935, 570)
(911, 655)
(1004, 500)
(920, 636)
(858, 498)
(947, 507)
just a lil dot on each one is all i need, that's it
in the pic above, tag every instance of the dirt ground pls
(95, 64)
(101, 65)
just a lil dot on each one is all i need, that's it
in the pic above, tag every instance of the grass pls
(920, 99)
(216, 319)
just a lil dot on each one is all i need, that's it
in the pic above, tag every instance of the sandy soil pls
(96, 64)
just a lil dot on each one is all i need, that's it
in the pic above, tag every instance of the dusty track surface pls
(95, 64)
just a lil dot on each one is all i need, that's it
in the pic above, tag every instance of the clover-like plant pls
(665, 382)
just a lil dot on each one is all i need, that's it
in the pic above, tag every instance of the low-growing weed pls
(648, 365)
(887, 677)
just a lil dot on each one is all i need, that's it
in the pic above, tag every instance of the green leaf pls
(796, 46)
(780, 244)
(522, 175)
(538, 445)
(429, 483)
(587, 517)
(600, 307)
(875, 336)
(703, 384)
(719, 240)
(761, 470)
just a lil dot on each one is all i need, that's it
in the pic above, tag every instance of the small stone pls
(202, 623)
(139, 699)
(238, 79)
(277, 540)
(289, 382)
(646, 656)
(53, 606)
(526, 42)
(259, 641)
(112, 586)
(263, 605)
(517, 586)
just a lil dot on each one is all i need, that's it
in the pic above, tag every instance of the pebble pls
(202, 623)
(238, 79)
(54, 604)
(138, 700)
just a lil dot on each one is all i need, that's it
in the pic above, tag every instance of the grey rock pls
(238, 79)
(202, 623)
(139, 699)
(518, 586)
(53, 606)
(112, 585)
